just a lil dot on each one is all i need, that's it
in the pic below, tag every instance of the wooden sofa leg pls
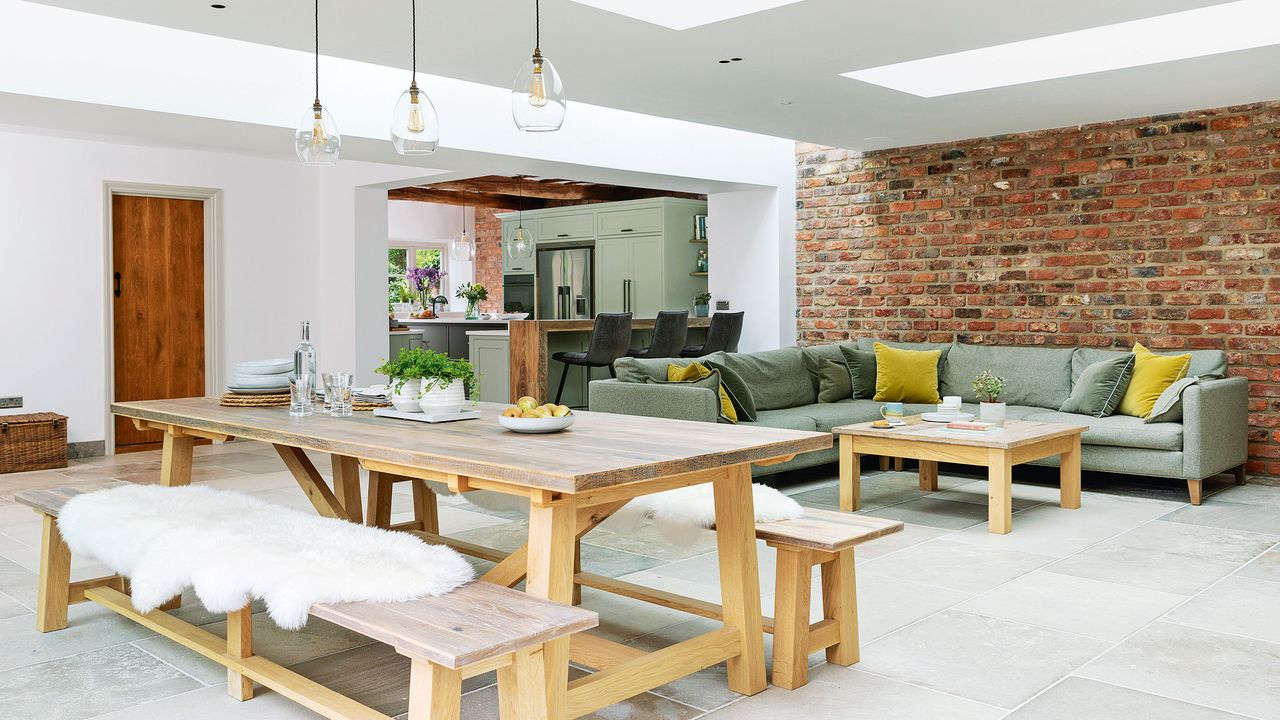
(425, 511)
(899, 464)
(884, 463)
(522, 687)
(1194, 488)
(840, 603)
(435, 691)
(55, 578)
(791, 617)
(1239, 472)
(240, 646)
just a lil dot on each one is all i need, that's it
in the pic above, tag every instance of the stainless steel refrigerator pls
(564, 283)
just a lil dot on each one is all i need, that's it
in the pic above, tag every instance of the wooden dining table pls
(573, 480)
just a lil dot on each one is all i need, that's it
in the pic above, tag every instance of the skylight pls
(683, 14)
(1217, 29)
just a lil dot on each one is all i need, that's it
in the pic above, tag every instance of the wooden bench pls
(825, 538)
(474, 629)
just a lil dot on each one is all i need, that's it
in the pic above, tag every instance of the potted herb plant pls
(989, 388)
(701, 304)
(473, 293)
(428, 381)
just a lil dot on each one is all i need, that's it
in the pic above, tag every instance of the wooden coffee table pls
(1019, 441)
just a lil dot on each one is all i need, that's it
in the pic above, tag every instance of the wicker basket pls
(37, 441)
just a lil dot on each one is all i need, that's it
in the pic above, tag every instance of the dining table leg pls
(175, 458)
(740, 577)
(549, 574)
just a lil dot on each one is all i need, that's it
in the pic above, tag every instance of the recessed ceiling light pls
(1176, 36)
(682, 14)
(218, 6)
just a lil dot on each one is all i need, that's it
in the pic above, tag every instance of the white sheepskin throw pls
(233, 548)
(681, 513)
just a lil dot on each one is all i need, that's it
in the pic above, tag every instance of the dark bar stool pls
(610, 339)
(669, 331)
(723, 335)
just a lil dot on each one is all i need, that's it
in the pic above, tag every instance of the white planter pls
(443, 400)
(992, 413)
(406, 398)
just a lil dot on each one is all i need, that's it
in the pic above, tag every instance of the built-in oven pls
(518, 293)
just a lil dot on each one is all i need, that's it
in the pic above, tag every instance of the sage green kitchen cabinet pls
(567, 227)
(517, 265)
(633, 278)
(612, 271)
(491, 357)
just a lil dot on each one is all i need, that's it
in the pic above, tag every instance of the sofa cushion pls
(1119, 430)
(1168, 407)
(1207, 364)
(699, 375)
(907, 375)
(846, 412)
(862, 371)
(1152, 374)
(1099, 388)
(869, 344)
(777, 378)
(813, 353)
(739, 392)
(834, 383)
(630, 369)
(1037, 376)
(786, 419)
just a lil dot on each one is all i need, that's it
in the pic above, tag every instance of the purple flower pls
(420, 279)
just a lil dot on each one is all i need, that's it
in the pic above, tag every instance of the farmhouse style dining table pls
(573, 480)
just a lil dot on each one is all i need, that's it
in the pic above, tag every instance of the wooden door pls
(157, 281)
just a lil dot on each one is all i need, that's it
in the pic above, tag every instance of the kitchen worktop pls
(448, 321)
(489, 333)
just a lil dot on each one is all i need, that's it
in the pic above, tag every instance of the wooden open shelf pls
(698, 274)
(696, 241)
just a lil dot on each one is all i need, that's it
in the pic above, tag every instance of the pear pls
(526, 403)
(560, 411)
(512, 411)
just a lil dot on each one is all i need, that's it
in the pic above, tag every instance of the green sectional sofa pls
(1211, 437)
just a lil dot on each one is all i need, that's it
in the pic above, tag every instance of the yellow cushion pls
(697, 371)
(1151, 375)
(906, 375)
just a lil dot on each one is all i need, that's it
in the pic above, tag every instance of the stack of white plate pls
(261, 377)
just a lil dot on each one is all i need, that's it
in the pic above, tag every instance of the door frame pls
(213, 290)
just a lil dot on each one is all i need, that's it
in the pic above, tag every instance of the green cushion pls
(1168, 407)
(710, 382)
(630, 369)
(785, 419)
(739, 392)
(833, 381)
(862, 371)
(846, 412)
(777, 378)
(1037, 376)
(815, 352)
(1099, 388)
(1206, 364)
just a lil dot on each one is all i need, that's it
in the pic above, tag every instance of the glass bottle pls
(304, 375)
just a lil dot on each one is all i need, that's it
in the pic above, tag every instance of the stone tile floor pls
(1136, 605)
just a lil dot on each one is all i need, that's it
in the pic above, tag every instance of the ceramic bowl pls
(536, 425)
(405, 404)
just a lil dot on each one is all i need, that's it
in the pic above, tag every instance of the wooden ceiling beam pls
(525, 193)
(471, 199)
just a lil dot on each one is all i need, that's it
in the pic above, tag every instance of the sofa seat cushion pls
(1119, 430)
(846, 412)
(787, 419)
(1038, 376)
(777, 378)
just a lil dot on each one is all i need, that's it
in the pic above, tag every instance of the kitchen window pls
(404, 255)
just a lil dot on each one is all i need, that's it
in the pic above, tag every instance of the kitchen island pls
(448, 335)
(533, 342)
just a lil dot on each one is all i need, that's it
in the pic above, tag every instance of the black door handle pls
(563, 235)
(117, 278)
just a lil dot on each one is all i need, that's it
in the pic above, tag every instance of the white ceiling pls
(788, 82)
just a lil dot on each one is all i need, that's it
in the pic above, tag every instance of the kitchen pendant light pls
(520, 247)
(462, 247)
(415, 127)
(537, 100)
(317, 141)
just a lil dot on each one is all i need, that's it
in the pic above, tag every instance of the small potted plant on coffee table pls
(989, 388)
(701, 304)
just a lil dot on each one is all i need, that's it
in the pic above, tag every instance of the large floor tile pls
(213, 703)
(1042, 530)
(1151, 569)
(1213, 543)
(910, 535)
(1078, 698)
(1250, 494)
(878, 490)
(1237, 605)
(1233, 515)
(705, 569)
(1107, 611)
(944, 514)
(18, 582)
(10, 607)
(706, 689)
(1197, 666)
(1024, 496)
(886, 606)
(483, 705)
(848, 694)
(951, 565)
(989, 660)
(88, 684)
(647, 540)
(623, 619)
(90, 628)
(287, 647)
(1264, 567)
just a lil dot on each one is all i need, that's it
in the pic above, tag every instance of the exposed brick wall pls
(489, 256)
(1164, 230)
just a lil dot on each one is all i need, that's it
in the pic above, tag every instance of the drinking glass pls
(337, 394)
(300, 403)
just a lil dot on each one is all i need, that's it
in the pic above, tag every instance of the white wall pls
(435, 223)
(287, 255)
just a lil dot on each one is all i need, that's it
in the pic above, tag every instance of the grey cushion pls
(630, 369)
(1207, 364)
(1037, 376)
(710, 382)
(814, 352)
(846, 412)
(1119, 430)
(744, 403)
(862, 371)
(1099, 388)
(1168, 407)
(777, 378)
(834, 383)
(788, 419)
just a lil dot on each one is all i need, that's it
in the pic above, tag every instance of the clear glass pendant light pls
(463, 247)
(520, 247)
(317, 141)
(537, 99)
(415, 128)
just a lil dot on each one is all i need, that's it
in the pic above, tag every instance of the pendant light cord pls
(413, 14)
(317, 52)
(537, 24)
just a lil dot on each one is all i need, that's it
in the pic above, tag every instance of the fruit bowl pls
(535, 425)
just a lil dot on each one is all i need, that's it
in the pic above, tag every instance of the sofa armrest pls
(1215, 426)
(677, 402)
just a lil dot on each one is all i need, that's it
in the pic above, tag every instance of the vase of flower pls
(473, 293)
(425, 281)
(989, 388)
